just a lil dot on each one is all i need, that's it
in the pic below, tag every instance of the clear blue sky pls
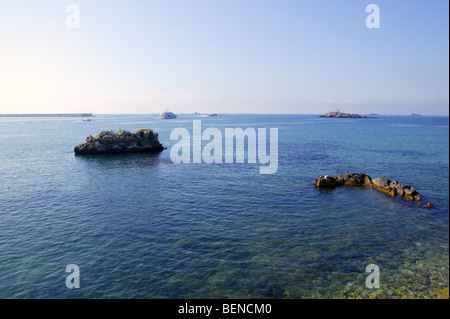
(224, 56)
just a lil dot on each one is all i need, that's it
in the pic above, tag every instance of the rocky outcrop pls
(343, 115)
(354, 179)
(383, 184)
(393, 188)
(351, 179)
(106, 142)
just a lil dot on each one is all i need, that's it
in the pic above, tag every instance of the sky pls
(224, 56)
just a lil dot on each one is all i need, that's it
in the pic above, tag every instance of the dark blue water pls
(139, 226)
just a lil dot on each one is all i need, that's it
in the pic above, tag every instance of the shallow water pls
(139, 226)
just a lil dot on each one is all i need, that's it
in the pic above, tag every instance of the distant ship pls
(212, 114)
(167, 115)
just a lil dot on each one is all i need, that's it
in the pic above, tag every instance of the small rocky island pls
(339, 114)
(383, 184)
(107, 142)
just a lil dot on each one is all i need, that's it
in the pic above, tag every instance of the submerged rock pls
(383, 184)
(105, 142)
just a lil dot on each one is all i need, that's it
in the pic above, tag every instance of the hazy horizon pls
(228, 113)
(230, 57)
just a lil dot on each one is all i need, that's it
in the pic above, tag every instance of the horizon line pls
(197, 113)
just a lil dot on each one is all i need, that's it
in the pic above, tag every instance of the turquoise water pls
(139, 226)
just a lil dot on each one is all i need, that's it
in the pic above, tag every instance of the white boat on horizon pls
(167, 115)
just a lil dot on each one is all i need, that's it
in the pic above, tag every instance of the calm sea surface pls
(139, 226)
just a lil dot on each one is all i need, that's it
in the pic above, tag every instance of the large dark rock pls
(106, 142)
(327, 182)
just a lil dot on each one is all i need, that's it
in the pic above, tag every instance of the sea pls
(141, 226)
